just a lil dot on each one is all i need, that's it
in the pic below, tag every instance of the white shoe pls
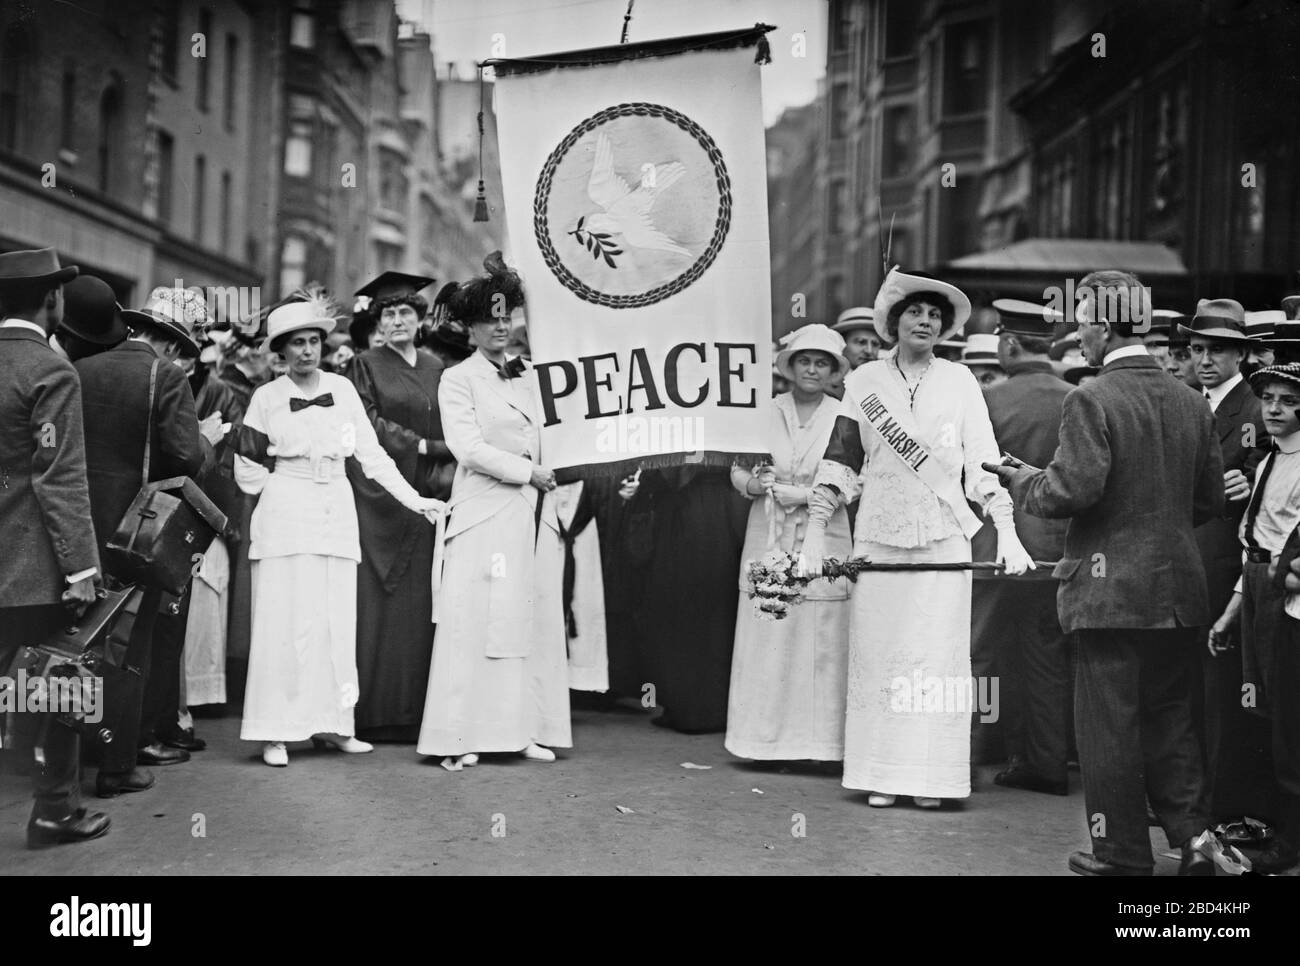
(451, 764)
(470, 760)
(877, 800)
(535, 752)
(344, 743)
(275, 754)
(923, 802)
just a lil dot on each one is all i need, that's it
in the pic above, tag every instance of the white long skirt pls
(302, 662)
(910, 633)
(203, 676)
(476, 703)
(788, 681)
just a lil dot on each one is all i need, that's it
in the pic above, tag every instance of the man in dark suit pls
(1015, 633)
(1237, 771)
(116, 399)
(1137, 469)
(49, 557)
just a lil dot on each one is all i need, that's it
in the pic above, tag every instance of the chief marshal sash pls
(917, 458)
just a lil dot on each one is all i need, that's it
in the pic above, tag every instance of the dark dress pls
(394, 596)
(687, 618)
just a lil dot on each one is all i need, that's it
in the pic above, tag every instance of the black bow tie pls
(324, 399)
(512, 369)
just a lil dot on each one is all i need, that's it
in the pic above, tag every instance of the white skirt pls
(203, 680)
(477, 703)
(588, 660)
(788, 681)
(910, 634)
(302, 662)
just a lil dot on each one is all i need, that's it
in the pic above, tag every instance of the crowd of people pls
(1096, 513)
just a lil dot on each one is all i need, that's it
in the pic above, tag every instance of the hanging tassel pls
(763, 55)
(627, 20)
(480, 203)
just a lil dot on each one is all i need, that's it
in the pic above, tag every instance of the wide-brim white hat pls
(294, 316)
(898, 285)
(812, 337)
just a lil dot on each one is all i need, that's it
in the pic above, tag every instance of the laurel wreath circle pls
(661, 292)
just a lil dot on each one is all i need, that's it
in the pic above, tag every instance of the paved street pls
(393, 812)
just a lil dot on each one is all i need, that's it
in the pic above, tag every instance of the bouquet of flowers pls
(777, 584)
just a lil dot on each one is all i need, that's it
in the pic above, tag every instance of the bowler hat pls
(1222, 319)
(33, 268)
(91, 312)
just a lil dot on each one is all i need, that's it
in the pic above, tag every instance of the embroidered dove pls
(626, 211)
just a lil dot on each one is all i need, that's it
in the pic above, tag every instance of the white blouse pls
(306, 503)
(944, 411)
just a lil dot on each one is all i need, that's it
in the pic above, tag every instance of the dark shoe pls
(159, 754)
(1085, 863)
(1279, 857)
(1019, 776)
(1194, 863)
(185, 740)
(112, 784)
(1246, 831)
(77, 827)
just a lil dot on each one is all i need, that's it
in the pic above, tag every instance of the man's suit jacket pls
(1137, 469)
(115, 399)
(1217, 538)
(1026, 414)
(44, 502)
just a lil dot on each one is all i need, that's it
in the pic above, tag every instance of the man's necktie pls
(324, 399)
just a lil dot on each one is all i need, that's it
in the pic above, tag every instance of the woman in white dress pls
(498, 681)
(788, 676)
(917, 429)
(303, 542)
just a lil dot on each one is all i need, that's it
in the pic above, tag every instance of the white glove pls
(789, 495)
(812, 552)
(433, 510)
(1012, 553)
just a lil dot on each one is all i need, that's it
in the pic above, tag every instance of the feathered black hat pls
(489, 296)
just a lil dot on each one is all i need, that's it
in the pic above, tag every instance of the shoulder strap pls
(148, 426)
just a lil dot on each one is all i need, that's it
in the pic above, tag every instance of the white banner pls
(636, 198)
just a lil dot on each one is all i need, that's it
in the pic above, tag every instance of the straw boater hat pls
(1291, 306)
(1260, 377)
(1028, 319)
(852, 319)
(1260, 325)
(175, 312)
(1162, 326)
(1222, 319)
(812, 337)
(899, 285)
(981, 349)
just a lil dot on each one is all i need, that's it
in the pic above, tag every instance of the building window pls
(966, 68)
(389, 255)
(67, 119)
(200, 195)
(837, 208)
(298, 145)
(1110, 180)
(205, 28)
(899, 136)
(224, 226)
(109, 145)
(171, 41)
(841, 18)
(393, 185)
(839, 109)
(428, 223)
(166, 159)
(900, 27)
(232, 70)
(293, 265)
(302, 25)
(13, 62)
